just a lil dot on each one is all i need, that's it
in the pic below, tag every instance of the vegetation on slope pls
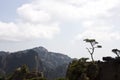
(23, 73)
(82, 70)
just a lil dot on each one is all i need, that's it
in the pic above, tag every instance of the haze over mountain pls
(53, 65)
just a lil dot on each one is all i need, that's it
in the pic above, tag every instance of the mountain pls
(53, 65)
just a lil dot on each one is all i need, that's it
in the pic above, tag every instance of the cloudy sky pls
(60, 25)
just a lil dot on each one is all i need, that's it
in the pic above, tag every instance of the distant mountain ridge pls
(53, 65)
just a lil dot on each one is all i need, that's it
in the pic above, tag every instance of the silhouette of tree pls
(83, 59)
(116, 51)
(108, 59)
(94, 45)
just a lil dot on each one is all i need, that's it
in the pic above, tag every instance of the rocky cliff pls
(53, 65)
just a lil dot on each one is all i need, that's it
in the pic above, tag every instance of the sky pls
(60, 25)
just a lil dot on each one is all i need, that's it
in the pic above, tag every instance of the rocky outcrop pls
(53, 65)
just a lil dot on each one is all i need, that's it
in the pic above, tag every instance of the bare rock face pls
(53, 65)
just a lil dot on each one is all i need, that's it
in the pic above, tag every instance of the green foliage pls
(92, 71)
(19, 73)
(38, 78)
(61, 79)
(84, 77)
(76, 68)
(2, 77)
(24, 69)
(23, 73)
(83, 59)
(82, 70)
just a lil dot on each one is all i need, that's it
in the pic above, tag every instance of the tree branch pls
(88, 50)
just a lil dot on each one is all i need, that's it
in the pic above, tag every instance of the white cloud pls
(99, 29)
(30, 14)
(101, 25)
(33, 23)
(23, 31)
(101, 36)
(69, 9)
(40, 18)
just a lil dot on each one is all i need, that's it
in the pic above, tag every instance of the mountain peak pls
(47, 62)
(40, 49)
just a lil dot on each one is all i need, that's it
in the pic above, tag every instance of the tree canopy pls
(94, 44)
(116, 51)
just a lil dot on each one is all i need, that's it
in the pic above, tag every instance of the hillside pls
(52, 64)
